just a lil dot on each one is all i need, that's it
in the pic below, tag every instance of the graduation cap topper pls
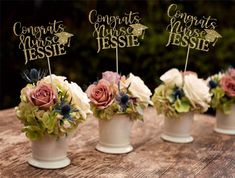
(212, 36)
(42, 41)
(192, 34)
(138, 29)
(115, 32)
(64, 38)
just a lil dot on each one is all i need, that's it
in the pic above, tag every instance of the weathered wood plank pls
(210, 155)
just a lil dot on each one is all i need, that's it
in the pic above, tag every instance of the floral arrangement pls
(180, 93)
(50, 105)
(222, 87)
(115, 94)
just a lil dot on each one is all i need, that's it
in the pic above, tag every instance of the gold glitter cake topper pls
(38, 42)
(113, 32)
(190, 31)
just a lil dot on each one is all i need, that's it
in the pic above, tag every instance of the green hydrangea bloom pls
(134, 110)
(170, 105)
(221, 101)
(182, 105)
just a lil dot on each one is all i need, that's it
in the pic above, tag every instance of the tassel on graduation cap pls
(212, 36)
(64, 37)
(138, 30)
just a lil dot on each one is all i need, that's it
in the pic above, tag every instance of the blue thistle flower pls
(178, 93)
(123, 100)
(33, 75)
(65, 109)
(212, 84)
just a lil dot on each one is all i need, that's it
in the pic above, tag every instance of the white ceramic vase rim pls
(57, 137)
(116, 114)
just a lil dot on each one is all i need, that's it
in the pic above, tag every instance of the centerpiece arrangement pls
(183, 93)
(117, 101)
(177, 98)
(222, 87)
(51, 109)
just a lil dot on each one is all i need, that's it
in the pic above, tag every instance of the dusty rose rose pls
(42, 96)
(112, 77)
(101, 94)
(231, 72)
(228, 85)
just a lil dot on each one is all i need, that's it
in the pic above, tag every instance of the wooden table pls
(210, 155)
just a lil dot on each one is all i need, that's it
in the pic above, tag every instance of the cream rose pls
(55, 78)
(197, 91)
(80, 99)
(59, 81)
(172, 77)
(138, 88)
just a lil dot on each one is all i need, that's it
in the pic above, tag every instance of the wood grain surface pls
(210, 155)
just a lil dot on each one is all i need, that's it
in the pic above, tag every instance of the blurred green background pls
(83, 65)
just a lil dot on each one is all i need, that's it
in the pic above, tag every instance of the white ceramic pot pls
(178, 129)
(50, 153)
(225, 123)
(114, 135)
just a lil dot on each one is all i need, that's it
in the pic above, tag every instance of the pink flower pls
(111, 77)
(42, 96)
(101, 94)
(231, 72)
(228, 85)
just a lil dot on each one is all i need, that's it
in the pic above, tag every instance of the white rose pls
(80, 99)
(137, 88)
(172, 77)
(197, 91)
(59, 82)
(55, 78)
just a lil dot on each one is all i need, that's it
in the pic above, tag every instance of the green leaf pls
(225, 105)
(182, 105)
(139, 110)
(171, 98)
(218, 94)
(221, 101)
